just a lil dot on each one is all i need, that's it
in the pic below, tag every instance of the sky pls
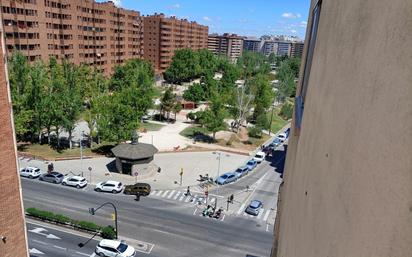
(243, 17)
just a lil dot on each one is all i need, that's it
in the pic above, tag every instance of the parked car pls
(30, 172)
(226, 178)
(282, 137)
(276, 142)
(53, 177)
(241, 171)
(259, 157)
(75, 181)
(142, 189)
(254, 207)
(287, 132)
(251, 164)
(113, 248)
(109, 186)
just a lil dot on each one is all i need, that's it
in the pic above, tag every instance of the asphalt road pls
(45, 241)
(161, 227)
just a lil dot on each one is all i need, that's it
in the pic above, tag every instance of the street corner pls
(139, 246)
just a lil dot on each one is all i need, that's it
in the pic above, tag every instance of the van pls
(142, 189)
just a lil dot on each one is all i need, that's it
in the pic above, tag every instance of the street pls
(167, 223)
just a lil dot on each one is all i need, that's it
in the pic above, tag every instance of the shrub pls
(86, 225)
(45, 215)
(62, 219)
(255, 132)
(108, 233)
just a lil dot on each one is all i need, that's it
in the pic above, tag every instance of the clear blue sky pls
(243, 17)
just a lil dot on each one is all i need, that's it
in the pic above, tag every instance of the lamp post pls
(271, 119)
(92, 211)
(219, 156)
(81, 151)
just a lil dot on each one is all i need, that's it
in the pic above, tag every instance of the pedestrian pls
(188, 191)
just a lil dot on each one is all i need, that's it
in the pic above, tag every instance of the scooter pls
(208, 211)
(218, 213)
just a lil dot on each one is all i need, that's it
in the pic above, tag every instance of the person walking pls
(188, 191)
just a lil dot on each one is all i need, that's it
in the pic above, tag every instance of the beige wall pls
(348, 175)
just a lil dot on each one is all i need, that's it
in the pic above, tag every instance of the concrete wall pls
(13, 241)
(348, 174)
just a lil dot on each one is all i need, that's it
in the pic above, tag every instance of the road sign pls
(135, 173)
(181, 172)
(90, 168)
(206, 193)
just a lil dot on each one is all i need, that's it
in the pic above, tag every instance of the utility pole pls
(81, 151)
(181, 175)
(271, 119)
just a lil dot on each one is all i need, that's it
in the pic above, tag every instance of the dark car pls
(53, 177)
(142, 189)
(254, 207)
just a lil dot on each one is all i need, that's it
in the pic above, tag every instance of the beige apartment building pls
(164, 35)
(347, 189)
(13, 240)
(82, 31)
(229, 45)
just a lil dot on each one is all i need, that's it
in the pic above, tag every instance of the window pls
(299, 102)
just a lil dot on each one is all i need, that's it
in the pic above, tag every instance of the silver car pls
(53, 177)
(254, 207)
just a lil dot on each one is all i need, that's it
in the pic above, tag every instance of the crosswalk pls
(175, 195)
(263, 215)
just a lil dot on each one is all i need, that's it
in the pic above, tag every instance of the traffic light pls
(91, 211)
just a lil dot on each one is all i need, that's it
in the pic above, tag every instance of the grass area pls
(258, 141)
(192, 131)
(151, 126)
(48, 152)
(277, 121)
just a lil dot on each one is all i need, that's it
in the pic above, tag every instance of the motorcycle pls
(218, 213)
(208, 211)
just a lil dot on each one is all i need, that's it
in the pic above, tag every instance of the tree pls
(213, 117)
(167, 102)
(263, 94)
(20, 90)
(195, 93)
(177, 107)
(184, 67)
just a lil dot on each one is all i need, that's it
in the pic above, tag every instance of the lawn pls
(191, 131)
(277, 121)
(46, 152)
(151, 126)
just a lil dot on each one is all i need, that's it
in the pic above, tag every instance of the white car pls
(109, 186)
(75, 181)
(113, 248)
(282, 137)
(30, 172)
(259, 157)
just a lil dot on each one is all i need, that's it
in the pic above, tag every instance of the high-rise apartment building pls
(269, 47)
(163, 35)
(82, 31)
(347, 188)
(283, 48)
(296, 49)
(251, 44)
(229, 45)
(13, 241)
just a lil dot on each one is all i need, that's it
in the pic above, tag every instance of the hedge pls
(107, 232)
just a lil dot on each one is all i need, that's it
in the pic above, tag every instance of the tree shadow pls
(111, 167)
(105, 150)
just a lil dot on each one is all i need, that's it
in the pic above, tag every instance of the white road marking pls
(181, 198)
(267, 227)
(188, 198)
(93, 254)
(176, 195)
(84, 254)
(213, 200)
(194, 213)
(35, 251)
(159, 193)
(266, 215)
(165, 193)
(153, 192)
(39, 242)
(241, 208)
(223, 218)
(244, 214)
(171, 193)
(59, 247)
(261, 213)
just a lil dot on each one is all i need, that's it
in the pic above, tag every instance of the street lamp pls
(219, 155)
(81, 151)
(271, 119)
(92, 211)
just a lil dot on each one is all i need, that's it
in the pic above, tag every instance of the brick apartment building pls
(12, 225)
(83, 31)
(230, 45)
(163, 35)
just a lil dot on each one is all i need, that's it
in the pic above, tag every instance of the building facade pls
(229, 45)
(81, 31)
(13, 239)
(251, 44)
(164, 35)
(347, 185)
(296, 49)
(269, 47)
(283, 48)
